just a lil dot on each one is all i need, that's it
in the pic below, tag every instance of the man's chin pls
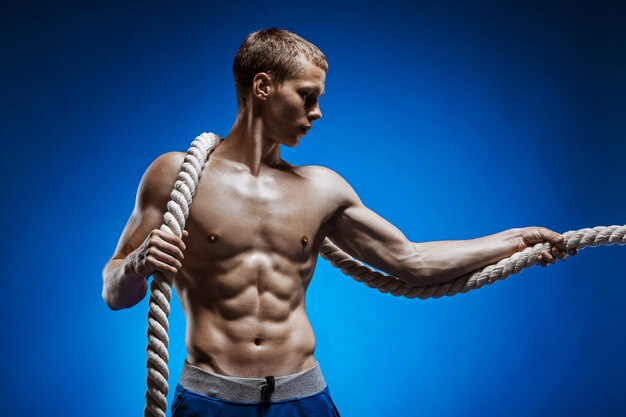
(293, 142)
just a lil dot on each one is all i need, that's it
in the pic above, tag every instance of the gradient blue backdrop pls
(450, 120)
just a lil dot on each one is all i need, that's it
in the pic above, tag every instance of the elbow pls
(415, 271)
(106, 294)
(110, 288)
(109, 303)
(119, 300)
(418, 276)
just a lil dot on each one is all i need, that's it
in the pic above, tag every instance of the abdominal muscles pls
(246, 315)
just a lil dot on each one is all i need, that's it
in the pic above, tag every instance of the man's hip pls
(203, 393)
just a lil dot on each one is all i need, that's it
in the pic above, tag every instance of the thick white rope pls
(174, 222)
(575, 239)
(161, 285)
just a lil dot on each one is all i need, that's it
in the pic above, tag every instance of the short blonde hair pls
(276, 52)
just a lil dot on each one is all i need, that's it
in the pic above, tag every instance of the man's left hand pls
(533, 235)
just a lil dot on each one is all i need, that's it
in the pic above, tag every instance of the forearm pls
(443, 261)
(122, 287)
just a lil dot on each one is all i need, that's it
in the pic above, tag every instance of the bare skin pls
(253, 235)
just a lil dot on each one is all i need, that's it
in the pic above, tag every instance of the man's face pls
(294, 105)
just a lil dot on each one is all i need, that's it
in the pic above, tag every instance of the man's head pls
(277, 52)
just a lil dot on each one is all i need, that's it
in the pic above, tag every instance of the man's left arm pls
(370, 238)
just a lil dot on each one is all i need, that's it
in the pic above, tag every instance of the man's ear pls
(262, 85)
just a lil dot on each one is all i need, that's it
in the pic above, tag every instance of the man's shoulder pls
(158, 179)
(165, 166)
(328, 181)
(168, 161)
(319, 174)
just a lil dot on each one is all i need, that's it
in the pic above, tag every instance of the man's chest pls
(232, 214)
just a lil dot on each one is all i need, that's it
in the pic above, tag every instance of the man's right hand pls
(160, 251)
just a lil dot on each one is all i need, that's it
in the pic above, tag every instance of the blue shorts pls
(200, 393)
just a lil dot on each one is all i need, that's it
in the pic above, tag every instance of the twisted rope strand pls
(161, 285)
(575, 239)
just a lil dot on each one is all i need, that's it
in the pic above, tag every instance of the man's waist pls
(252, 390)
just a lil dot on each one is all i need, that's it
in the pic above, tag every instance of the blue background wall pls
(450, 120)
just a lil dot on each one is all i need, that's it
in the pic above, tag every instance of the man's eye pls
(304, 94)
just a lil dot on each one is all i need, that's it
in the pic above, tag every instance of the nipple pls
(212, 238)
(304, 241)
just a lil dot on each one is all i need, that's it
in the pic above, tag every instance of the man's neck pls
(247, 144)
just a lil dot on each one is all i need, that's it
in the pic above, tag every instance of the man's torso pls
(251, 251)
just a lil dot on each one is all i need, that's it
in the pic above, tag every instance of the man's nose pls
(315, 113)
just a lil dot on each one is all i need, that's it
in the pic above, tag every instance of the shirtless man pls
(252, 240)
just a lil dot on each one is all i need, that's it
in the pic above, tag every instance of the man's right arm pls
(142, 248)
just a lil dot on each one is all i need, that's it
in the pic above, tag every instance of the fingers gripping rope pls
(161, 285)
(576, 239)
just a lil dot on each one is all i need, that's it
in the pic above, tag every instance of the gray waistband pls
(241, 389)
